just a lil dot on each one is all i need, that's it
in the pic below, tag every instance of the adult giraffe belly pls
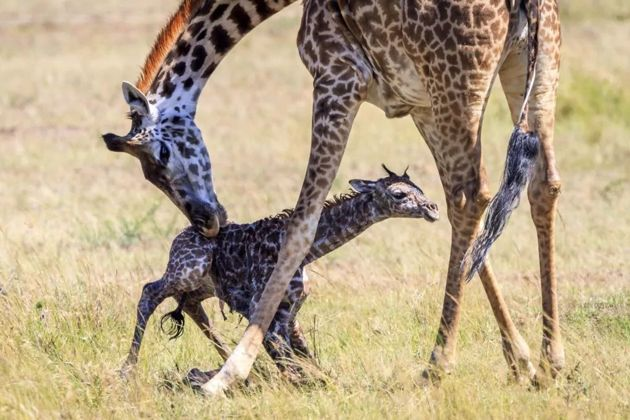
(377, 27)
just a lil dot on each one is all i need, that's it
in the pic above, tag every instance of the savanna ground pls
(81, 232)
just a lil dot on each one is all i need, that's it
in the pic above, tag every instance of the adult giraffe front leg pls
(337, 97)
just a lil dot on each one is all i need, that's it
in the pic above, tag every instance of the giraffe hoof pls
(430, 377)
(523, 373)
(520, 378)
(544, 378)
(214, 388)
(551, 363)
(540, 382)
(126, 372)
(196, 378)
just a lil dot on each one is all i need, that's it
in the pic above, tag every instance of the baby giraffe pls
(235, 266)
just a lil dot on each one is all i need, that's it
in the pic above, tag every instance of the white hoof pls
(214, 388)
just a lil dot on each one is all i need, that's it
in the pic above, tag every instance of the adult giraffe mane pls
(165, 41)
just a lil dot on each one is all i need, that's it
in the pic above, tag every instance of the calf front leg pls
(277, 343)
(297, 293)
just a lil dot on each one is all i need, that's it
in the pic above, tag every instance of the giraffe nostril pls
(431, 212)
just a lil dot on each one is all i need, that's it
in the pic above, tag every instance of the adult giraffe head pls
(162, 106)
(174, 158)
(164, 136)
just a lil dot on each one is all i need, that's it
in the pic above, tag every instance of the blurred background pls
(81, 231)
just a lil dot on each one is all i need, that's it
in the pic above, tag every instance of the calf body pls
(235, 265)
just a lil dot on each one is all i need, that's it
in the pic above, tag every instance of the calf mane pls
(328, 204)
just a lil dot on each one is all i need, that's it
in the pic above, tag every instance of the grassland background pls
(81, 231)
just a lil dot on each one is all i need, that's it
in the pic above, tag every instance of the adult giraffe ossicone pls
(436, 61)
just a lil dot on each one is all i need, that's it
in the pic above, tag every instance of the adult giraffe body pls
(436, 61)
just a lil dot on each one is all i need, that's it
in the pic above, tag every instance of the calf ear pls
(362, 186)
(136, 99)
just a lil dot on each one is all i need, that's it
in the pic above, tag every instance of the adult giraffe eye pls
(164, 154)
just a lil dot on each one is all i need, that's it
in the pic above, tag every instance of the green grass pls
(81, 231)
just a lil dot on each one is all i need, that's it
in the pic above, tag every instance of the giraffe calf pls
(235, 265)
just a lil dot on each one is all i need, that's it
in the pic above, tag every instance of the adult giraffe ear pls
(135, 99)
(362, 186)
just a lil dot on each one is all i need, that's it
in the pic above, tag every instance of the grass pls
(81, 231)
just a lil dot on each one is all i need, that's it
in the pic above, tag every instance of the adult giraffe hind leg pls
(515, 349)
(544, 186)
(466, 197)
(458, 61)
(466, 204)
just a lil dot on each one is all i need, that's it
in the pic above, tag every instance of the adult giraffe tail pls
(521, 157)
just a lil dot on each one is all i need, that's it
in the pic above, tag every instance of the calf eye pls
(399, 195)
(164, 154)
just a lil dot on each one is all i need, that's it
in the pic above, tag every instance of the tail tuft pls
(175, 320)
(521, 157)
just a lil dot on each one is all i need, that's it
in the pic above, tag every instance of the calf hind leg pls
(152, 295)
(298, 341)
(196, 377)
(196, 312)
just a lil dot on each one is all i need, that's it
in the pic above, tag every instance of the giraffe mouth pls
(431, 214)
(208, 228)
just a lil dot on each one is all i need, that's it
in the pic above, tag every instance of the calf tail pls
(175, 319)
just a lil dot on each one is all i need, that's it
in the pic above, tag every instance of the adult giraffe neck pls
(209, 30)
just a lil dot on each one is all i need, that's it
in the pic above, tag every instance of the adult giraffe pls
(434, 60)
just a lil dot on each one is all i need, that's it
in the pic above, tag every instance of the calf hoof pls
(196, 378)
(126, 372)
(300, 379)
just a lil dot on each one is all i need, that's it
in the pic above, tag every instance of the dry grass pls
(81, 231)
